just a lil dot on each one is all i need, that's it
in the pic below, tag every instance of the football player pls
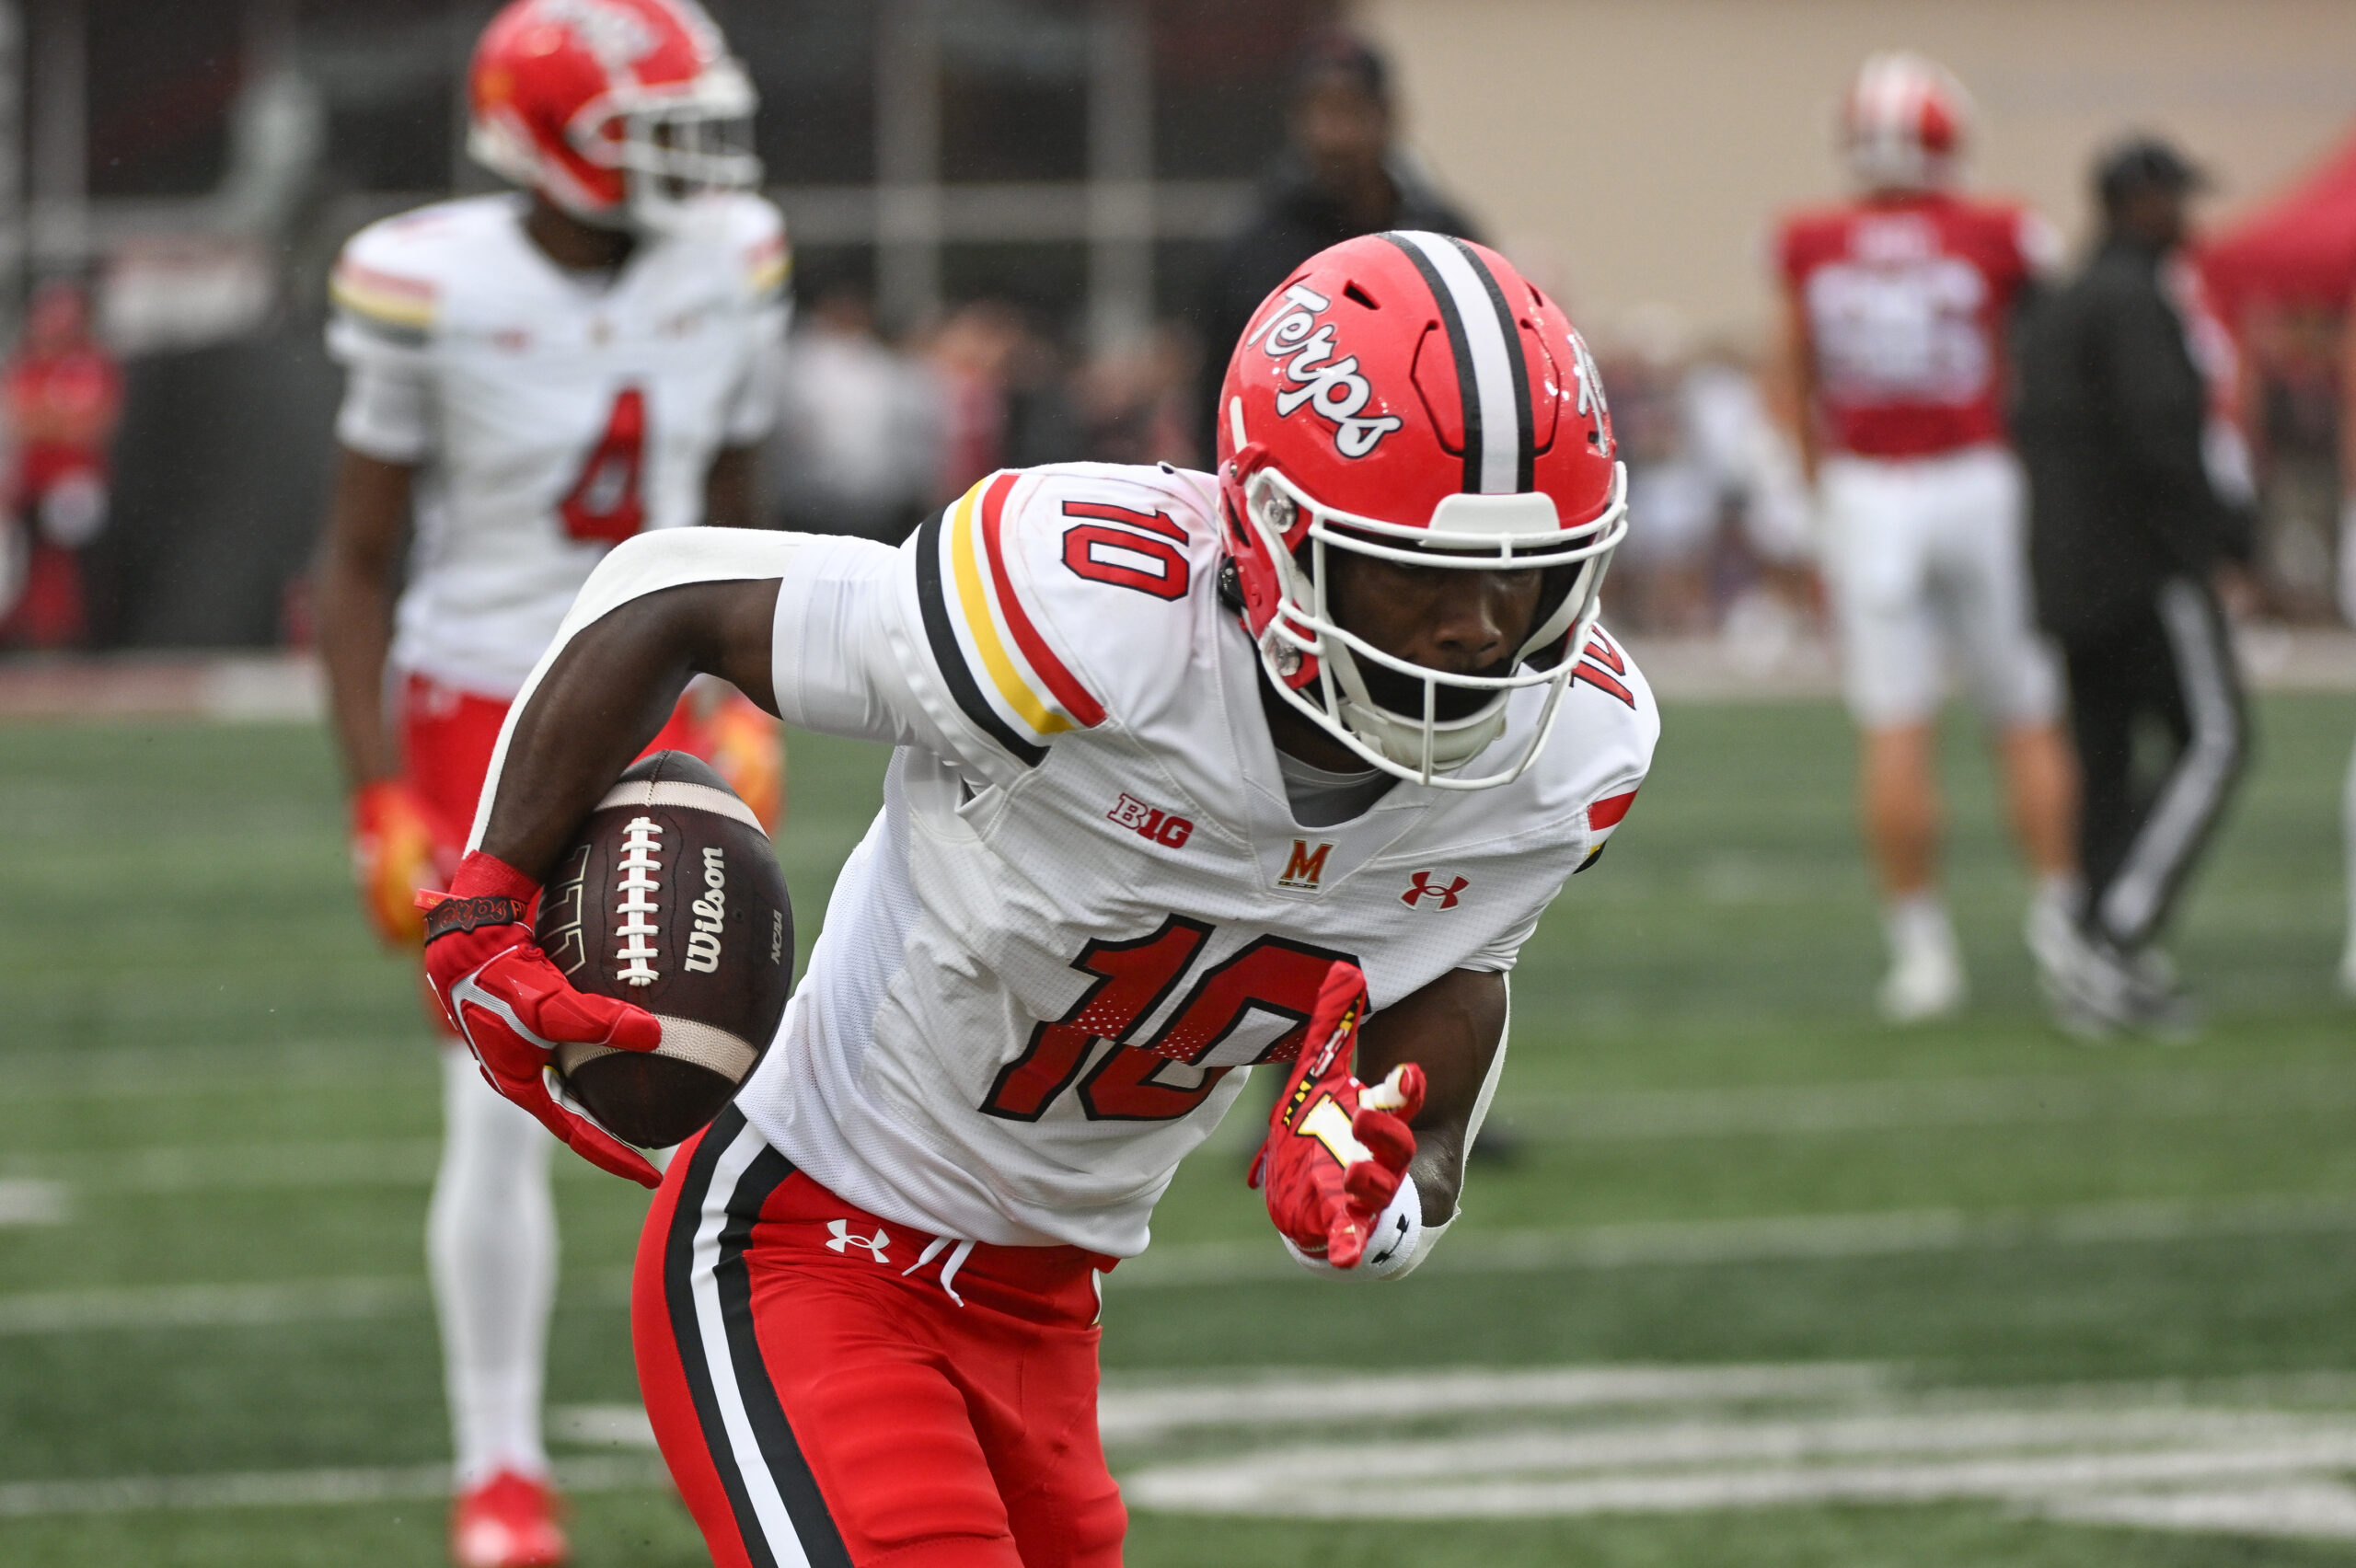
(1896, 309)
(1194, 773)
(533, 378)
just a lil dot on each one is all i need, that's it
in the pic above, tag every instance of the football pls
(673, 900)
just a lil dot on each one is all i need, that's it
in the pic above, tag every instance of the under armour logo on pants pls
(844, 1240)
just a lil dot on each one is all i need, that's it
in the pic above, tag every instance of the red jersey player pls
(1897, 307)
(533, 378)
(1279, 766)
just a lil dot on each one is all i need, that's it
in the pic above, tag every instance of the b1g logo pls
(1149, 822)
(1334, 390)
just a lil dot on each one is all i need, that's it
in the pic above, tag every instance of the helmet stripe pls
(1491, 376)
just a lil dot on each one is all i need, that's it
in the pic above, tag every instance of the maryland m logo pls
(1305, 867)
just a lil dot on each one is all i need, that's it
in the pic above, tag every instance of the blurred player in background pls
(1897, 306)
(533, 378)
(1341, 173)
(64, 395)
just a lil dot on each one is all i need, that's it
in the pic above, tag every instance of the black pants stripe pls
(2166, 674)
(779, 1514)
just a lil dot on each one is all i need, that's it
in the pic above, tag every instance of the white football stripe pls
(682, 794)
(1484, 339)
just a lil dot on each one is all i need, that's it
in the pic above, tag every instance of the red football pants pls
(447, 736)
(822, 1396)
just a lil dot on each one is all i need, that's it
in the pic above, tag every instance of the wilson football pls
(673, 900)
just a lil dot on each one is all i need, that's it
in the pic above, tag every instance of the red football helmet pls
(1414, 398)
(1903, 124)
(620, 111)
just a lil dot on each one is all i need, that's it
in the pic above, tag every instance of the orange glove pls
(392, 859)
(748, 750)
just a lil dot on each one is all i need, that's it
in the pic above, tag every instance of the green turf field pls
(1768, 1284)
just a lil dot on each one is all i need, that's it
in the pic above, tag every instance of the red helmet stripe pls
(1492, 377)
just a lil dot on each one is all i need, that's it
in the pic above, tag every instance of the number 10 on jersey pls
(1136, 1082)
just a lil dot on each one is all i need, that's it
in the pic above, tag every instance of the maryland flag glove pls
(392, 859)
(1335, 1166)
(512, 1005)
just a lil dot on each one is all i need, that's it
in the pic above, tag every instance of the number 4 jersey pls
(1904, 300)
(550, 415)
(1086, 906)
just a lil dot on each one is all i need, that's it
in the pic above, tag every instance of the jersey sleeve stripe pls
(394, 301)
(1073, 697)
(768, 266)
(983, 626)
(1607, 813)
(949, 658)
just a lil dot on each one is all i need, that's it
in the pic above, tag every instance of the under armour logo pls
(1442, 897)
(844, 1240)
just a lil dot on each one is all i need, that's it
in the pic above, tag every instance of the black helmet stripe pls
(1492, 377)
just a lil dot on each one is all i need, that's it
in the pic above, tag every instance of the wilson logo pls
(711, 912)
(844, 1239)
(1440, 895)
(1305, 867)
(1148, 821)
(1332, 388)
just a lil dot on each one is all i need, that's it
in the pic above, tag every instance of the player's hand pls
(513, 1006)
(1337, 1150)
(392, 859)
(747, 752)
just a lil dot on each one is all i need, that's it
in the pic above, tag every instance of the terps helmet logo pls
(1332, 388)
(618, 37)
(1591, 402)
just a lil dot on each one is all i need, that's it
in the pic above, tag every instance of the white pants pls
(1927, 564)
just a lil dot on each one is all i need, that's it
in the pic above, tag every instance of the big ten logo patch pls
(1149, 822)
(1305, 867)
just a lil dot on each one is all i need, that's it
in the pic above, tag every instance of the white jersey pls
(1086, 906)
(550, 415)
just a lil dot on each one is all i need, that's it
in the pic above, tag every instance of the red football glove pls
(392, 859)
(512, 1005)
(1337, 1150)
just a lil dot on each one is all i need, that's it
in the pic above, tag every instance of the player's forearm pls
(606, 695)
(1452, 1029)
(355, 632)
(355, 588)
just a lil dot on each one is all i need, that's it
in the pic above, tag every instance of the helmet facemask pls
(1407, 720)
(674, 145)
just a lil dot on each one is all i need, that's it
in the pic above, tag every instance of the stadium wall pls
(1634, 152)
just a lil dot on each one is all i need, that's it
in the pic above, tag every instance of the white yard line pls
(31, 1201)
(1770, 1239)
(311, 1488)
(143, 1308)
(1879, 1106)
(1139, 1414)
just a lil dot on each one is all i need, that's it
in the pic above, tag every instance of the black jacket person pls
(2136, 502)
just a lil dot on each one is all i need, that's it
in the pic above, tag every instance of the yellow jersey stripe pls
(384, 304)
(984, 625)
